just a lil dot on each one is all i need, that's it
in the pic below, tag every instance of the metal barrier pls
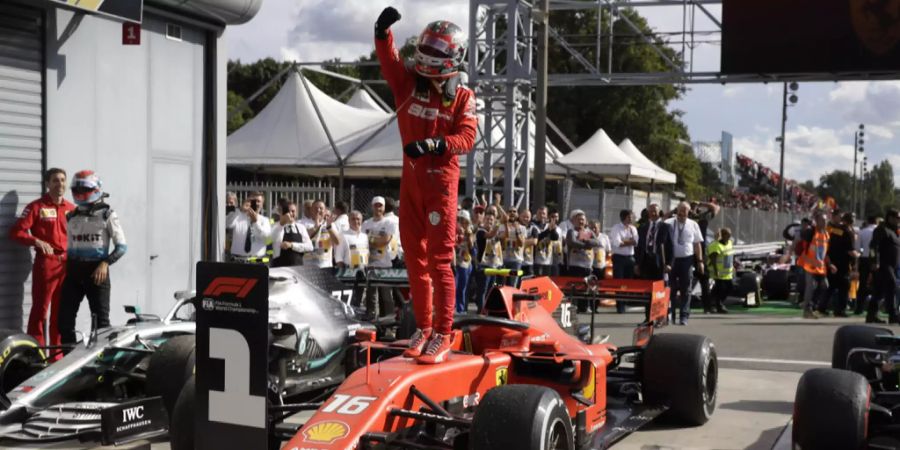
(752, 226)
(272, 191)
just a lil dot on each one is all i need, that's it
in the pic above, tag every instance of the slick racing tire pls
(777, 284)
(181, 430)
(848, 337)
(20, 358)
(681, 371)
(522, 417)
(747, 283)
(830, 410)
(170, 367)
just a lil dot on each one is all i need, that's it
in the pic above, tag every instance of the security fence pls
(748, 226)
(361, 198)
(273, 191)
(752, 226)
(356, 198)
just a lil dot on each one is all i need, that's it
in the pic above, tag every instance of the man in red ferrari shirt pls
(42, 225)
(437, 121)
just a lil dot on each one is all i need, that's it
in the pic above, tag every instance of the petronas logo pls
(326, 432)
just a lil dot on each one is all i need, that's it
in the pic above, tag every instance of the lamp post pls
(862, 188)
(784, 105)
(858, 141)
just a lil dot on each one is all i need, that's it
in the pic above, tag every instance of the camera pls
(229, 209)
(254, 204)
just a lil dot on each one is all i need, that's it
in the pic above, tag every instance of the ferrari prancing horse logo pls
(502, 375)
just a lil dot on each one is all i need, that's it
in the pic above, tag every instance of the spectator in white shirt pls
(250, 231)
(623, 238)
(512, 234)
(324, 237)
(341, 220)
(580, 245)
(381, 231)
(353, 252)
(557, 246)
(686, 244)
(601, 251)
(290, 240)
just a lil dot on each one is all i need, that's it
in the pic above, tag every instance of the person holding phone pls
(290, 239)
(250, 231)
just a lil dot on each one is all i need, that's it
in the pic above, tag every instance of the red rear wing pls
(653, 295)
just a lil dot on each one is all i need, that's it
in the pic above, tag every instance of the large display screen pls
(801, 36)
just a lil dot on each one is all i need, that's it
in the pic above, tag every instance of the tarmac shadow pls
(761, 406)
(767, 439)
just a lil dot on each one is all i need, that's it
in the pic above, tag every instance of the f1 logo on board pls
(240, 287)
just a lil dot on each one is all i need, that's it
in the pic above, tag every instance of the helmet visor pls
(435, 47)
(82, 189)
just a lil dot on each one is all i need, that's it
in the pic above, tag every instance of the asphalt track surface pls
(762, 353)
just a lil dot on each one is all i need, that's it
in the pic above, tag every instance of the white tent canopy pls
(288, 135)
(601, 157)
(288, 130)
(661, 176)
(363, 100)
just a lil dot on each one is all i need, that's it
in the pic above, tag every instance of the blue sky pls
(819, 130)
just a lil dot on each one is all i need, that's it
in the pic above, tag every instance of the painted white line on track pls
(775, 361)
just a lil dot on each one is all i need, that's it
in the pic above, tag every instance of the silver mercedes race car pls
(152, 357)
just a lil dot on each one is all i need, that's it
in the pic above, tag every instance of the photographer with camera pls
(250, 231)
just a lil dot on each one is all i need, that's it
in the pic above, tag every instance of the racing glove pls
(434, 146)
(387, 18)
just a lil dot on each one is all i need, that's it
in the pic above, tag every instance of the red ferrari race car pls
(515, 380)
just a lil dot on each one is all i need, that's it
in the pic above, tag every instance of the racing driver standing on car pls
(436, 116)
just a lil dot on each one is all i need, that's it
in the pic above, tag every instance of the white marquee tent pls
(289, 136)
(601, 157)
(661, 175)
(363, 100)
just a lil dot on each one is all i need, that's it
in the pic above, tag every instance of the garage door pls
(21, 146)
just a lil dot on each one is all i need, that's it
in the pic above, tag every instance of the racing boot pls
(437, 349)
(417, 343)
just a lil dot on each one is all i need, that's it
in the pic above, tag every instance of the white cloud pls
(851, 92)
(872, 103)
(732, 91)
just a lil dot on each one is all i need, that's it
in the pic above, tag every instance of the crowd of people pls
(658, 245)
(848, 269)
(760, 190)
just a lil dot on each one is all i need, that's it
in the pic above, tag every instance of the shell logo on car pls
(326, 432)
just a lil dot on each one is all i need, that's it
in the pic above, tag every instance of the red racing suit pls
(42, 219)
(429, 184)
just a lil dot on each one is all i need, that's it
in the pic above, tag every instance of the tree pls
(838, 185)
(879, 189)
(636, 112)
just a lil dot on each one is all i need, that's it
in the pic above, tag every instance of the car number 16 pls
(347, 405)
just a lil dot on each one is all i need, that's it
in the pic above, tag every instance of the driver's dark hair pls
(53, 171)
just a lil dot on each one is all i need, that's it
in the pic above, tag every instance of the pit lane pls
(761, 358)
